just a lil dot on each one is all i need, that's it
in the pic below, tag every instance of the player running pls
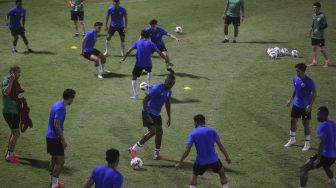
(77, 14)
(204, 139)
(304, 95)
(92, 54)
(118, 23)
(326, 153)
(157, 96)
(15, 16)
(156, 33)
(144, 48)
(232, 15)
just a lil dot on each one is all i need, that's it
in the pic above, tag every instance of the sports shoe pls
(99, 76)
(132, 152)
(306, 147)
(122, 53)
(225, 41)
(106, 71)
(106, 53)
(234, 41)
(327, 64)
(160, 157)
(313, 63)
(12, 159)
(30, 50)
(135, 97)
(289, 143)
(60, 184)
(76, 34)
(14, 51)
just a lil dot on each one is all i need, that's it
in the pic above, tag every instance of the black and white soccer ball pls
(136, 163)
(178, 29)
(295, 53)
(144, 86)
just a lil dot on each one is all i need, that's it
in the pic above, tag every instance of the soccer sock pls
(103, 67)
(333, 181)
(157, 152)
(10, 152)
(98, 69)
(108, 45)
(192, 186)
(307, 139)
(226, 37)
(136, 146)
(292, 135)
(122, 45)
(54, 181)
(225, 185)
(135, 87)
(149, 79)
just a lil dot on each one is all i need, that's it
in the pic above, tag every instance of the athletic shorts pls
(324, 161)
(95, 52)
(300, 113)
(55, 147)
(120, 30)
(317, 42)
(16, 32)
(13, 120)
(162, 48)
(77, 15)
(200, 169)
(234, 20)
(157, 120)
(137, 71)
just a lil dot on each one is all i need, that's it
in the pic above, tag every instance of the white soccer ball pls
(277, 49)
(295, 53)
(178, 29)
(269, 50)
(284, 51)
(143, 86)
(136, 163)
(273, 55)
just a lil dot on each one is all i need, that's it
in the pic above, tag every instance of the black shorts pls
(317, 42)
(300, 113)
(55, 147)
(200, 169)
(93, 52)
(77, 15)
(13, 120)
(234, 20)
(324, 161)
(120, 30)
(16, 32)
(137, 71)
(157, 120)
(162, 48)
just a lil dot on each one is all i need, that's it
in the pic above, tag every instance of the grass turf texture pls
(237, 87)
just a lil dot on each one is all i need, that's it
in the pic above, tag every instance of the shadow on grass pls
(101, 35)
(177, 101)
(263, 42)
(115, 75)
(36, 163)
(301, 146)
(187, 75)
(39, 52)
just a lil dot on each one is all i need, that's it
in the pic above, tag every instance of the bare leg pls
(193, 180)
(304, 172)
(148, 135)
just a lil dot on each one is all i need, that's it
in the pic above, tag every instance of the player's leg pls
(25, 40)
(223, 178)
(13, 121)
(158, 138)
(149, 76)
(52, 166)
(295, 115)
(309, 165)
(306, 117)
(324, 53)
(74, 18)
(122, 36)
(193, 181)
(326, 163)
(151, 132)
(59, 163)
(108, 46)
(236, 31)
(136, 73)
(102, 62)
(15, 40)
(227, 22)
(97, 64)
(165, 52)
(314, 53)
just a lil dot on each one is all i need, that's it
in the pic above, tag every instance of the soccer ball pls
(178, 29)
(143, 86)
(277, 49)
(269, 50)
(295, 53)
(284, 51)
(136, 163)
(273, 55)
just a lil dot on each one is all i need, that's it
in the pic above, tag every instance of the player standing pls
(317, 34)
(304, 95)
(204, 139)
(15, 16)
(118, 16)
(152, 104)
(232, 15)
(77, 14)
(326, 153)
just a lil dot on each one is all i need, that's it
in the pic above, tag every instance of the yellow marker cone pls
(74, 47)
(187, 88)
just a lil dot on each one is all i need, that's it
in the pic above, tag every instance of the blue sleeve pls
(215, 136)
(10, 12)
(125, 12)
(118, 182)
(134, 45)
(321, 132)
(190, 140)
(153, 46)
(154, 91)
(163, 32)
(108, 11)
(311, 85)
(93, 175)
(88, 34)
(60, 113)
(24, 13)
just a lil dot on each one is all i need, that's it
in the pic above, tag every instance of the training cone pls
(74, 47)
(187, 88)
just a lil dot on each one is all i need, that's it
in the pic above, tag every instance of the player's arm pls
(7, 90)
(125, 21)
(225, 9)
(291, 98)
(222, 149)
(89, 184)
(184, 155)
(127, 54)
(83, 43)
(173, 37)
(309, 107)
(59, 133)
(168, 111)
(23, 22)
(242, 10)
(106, 21)
(145, 108)
(7, 19)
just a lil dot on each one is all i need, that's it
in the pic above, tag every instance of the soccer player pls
(92, 54)
(152, 104)
(118, 23)
(326, 153)
(55, 140)
(204, 139)
(15, 16)
(144, 48)
(107, 175)
(156, 33)
(10, 111)
(232, 15)
(317, 34)
(304, 95)
(77, 14)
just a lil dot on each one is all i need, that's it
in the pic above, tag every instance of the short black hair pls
(153, 22)
(144, 34)
(69, 94)
(116, 1)
(18, 1)
(98, 24)
(317, 4)
(323, 110)
(13, 68)
(112, 155)
(301, 66)
(199, 119)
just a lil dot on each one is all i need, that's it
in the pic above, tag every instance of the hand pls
(177, 165)
(125, 30)
(228, 160)
(289, 102)
(308, 108)
(224, 16)
(64, 144)
(316, 30)
(168, 122)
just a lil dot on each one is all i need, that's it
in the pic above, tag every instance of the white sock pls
(122, 46)
(307, 138)
(333, 181)
(135, 87)
(136, 146)
(225, 185)
(108, 45)
(54, 181)
(192, 186)
(292, 135)
(99, 70)
(27, 45)
(157, 152)
(226, 37)
(149, 79)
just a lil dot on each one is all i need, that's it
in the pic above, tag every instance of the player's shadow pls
(263, 42)
(301, 146)
(115, 75)
(101, 35)
(39, 53)
(131, 55)
(177, 101)
(184, 165)
(36, 163)
(187, 75)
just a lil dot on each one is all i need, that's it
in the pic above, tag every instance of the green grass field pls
(236, 86)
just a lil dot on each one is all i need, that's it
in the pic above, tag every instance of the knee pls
(102, 58)
(322, 50)
(159, 132)
(16, 133)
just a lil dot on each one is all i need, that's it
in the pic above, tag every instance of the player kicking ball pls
(92, 54)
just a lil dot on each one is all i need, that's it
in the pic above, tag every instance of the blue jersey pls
(91, 38)
(16, 14)
(144, 48)
(58, 112)
(156, 36)
(204, 139)
(303, 91)
(106, 177)
(158, 96)
(117, 16)
(327, 129)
